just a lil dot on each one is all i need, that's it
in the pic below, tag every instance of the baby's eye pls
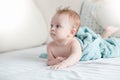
(57, 26)
(51, 25)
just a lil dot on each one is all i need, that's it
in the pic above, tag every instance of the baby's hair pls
(74, 16)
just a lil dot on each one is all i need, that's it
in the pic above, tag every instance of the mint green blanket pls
(94, 47)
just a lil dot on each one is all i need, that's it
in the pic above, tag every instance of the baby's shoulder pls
(75, 43)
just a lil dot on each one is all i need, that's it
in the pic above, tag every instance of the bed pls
(26, 64)
(21, 62)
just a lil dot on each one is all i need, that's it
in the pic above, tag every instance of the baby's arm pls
(72, 59)
(55, 61)
(52, 60)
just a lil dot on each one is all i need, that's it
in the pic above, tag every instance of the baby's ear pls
(73, 31)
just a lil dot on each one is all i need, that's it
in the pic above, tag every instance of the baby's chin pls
(53, 38)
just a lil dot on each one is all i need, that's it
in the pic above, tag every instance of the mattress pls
(26, 64)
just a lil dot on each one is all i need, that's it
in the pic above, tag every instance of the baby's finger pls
(54, 67)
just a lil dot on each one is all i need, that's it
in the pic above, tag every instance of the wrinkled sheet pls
(27, 65)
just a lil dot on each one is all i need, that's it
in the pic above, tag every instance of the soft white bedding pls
(26, 65)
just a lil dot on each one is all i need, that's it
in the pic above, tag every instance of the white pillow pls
(87, 15)
(21, 25)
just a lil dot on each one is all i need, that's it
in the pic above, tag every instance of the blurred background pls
(25, 23)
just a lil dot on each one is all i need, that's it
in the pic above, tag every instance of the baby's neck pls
(63, 42)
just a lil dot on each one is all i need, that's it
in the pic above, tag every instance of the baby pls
(65, 50)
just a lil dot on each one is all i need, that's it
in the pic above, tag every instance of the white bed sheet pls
(26, 65)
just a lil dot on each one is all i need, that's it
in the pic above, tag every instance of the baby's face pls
(60, 27)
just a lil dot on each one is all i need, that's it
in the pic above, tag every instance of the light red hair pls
(73, 16)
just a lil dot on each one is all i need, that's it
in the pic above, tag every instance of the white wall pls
(21, 25)
(48, 7)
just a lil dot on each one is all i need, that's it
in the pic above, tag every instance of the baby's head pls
(66, 19)
(73, 16)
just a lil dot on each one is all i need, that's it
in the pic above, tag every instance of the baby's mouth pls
(52, 34)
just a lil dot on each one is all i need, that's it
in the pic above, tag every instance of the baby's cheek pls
(62, 35)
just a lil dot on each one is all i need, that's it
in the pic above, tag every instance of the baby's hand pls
(61, 58)
(59, 66)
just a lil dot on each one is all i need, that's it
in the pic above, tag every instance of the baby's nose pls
(52, 28)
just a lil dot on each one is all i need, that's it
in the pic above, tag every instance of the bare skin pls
(64, 50)
(108, 31)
